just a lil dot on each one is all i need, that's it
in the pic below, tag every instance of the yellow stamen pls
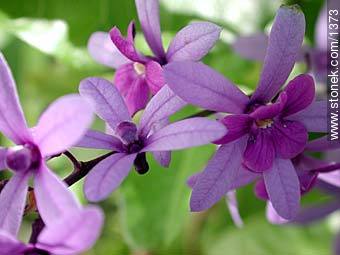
(139, 68)
(264, 123)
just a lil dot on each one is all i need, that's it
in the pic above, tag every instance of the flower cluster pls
(261, 138)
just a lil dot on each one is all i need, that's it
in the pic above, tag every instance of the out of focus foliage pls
(45, 44)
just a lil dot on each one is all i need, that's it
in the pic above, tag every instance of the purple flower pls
(138, 75)
(130, 142)
(73, 233)
(59, 127)
(254, 46)
(263, 134)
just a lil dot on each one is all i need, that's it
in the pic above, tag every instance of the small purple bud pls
(127, 131)
(22, 157)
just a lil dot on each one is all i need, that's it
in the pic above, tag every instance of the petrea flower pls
(254, 46)
(59, 127)
(263, 134)
(138, 75)
(130, 142)
(71, 234)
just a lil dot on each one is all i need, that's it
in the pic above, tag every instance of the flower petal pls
(186, 133)
(272, 110)
(316, 212)
(3, 153)
(272, 215)
(63, 124)
(137, 96)
(104, 51)
(12, 203)
(12, 120)
(300, 94)
(314, 117)
(72, 234)
(193, 42)
(160, 107)
(10, 245)
(107, 175)
(233, 208)
(54, 199)
(148, 14)
(200, 85)
(321, 29)
(108, 103)
(237, 125)
(154, 76)
(290, 138)
(332, 178)
(223, 173)
(126, 45)
(98, 140)
(283, 188)
(252, 47)
(284, 45)
(322, 144)
(260, 152)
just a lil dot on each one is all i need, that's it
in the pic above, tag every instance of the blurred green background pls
(45, 41)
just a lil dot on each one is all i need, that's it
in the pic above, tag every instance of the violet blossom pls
(130, 142)
(59, 127)
(263, 135)
(138, 75)
(70, 234)
(254, 46)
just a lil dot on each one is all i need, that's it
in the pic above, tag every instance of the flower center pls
(23, 157)
(139, 68)
(264, 123)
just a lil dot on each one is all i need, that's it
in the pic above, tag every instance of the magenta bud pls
(127, 131)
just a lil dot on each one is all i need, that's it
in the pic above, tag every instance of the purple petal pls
(221, 175)
(53, 197)
(260, 152)
(321, 30)
(272, 215)
(72, 234)
(10, 245)
(186, 133)
(284, 45)
(300, 94)
(200, 85)
(317, 212)
(137, 96)
(154, 76)
(12, 120)
(290, 138)
(107, 102)
(193, 179)
(237, 125)
(99, 140)
(260, 190)
(233, 208)
(252, 47)
(193, 42)
(106, 176)
(314, 117)
(322, 144)
(283, 188)
(272, 110)
(63, 124)
(104, 51)
(3, 153)
(160, 107)
(12, 203)
(126, 45)
(332, 178)
(148, 14)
